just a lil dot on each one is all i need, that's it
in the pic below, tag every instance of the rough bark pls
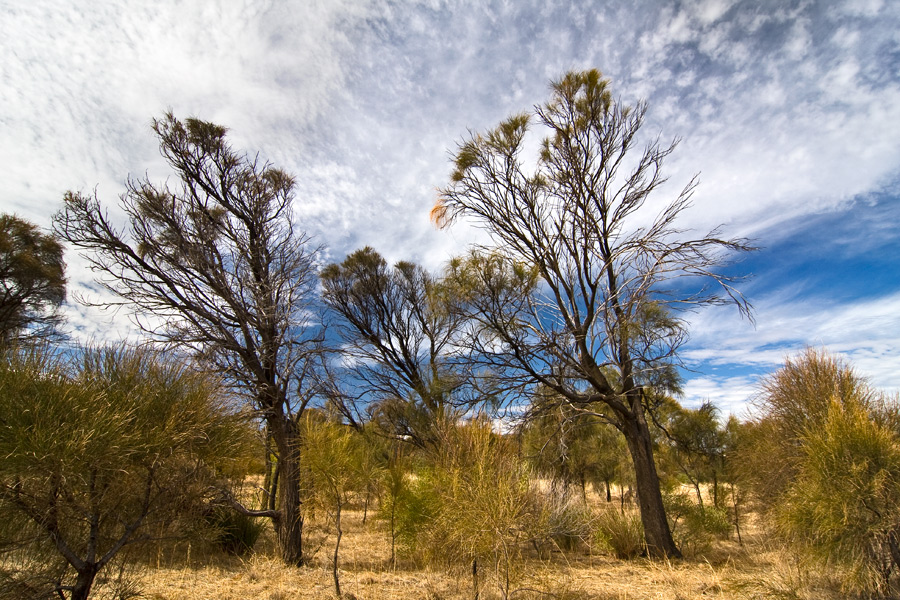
(288, 520)
(657, 533)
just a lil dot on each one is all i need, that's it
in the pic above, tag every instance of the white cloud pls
(785, 109)
(864, 332)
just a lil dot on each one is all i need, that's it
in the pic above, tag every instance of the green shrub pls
(694, 526)
(844, 506)
(234, 532)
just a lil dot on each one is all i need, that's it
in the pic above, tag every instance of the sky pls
(789, 111)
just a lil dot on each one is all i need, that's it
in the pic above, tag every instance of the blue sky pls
(789, 111)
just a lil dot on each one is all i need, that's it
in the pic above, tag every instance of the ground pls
(726, 570)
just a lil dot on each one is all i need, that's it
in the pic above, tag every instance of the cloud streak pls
(789, 110)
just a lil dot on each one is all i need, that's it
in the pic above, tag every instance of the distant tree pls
(578, 291)
(32, 281)
(698, 446)
(217, 267)
(102, 450)
(397, 330)
(569, 447)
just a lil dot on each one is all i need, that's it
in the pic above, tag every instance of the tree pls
(698, 446)
(570, 447)
(102, 450)
(397, 327)
(32, 280)
(217, 267)
(578, 292)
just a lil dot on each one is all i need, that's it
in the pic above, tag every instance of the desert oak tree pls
(32, 280)
(217, 267)
(578, 290)
(398, 329)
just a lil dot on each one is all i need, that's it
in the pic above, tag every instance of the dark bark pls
(85, 581)
(288, 520)
(657, 533)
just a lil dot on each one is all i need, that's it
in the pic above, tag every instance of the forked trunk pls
(657, 533)
(84, 582)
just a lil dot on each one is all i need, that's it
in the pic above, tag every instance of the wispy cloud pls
(789, 110)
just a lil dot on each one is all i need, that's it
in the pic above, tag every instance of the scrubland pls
(724, 568)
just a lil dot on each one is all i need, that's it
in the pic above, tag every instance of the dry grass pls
(727, 571)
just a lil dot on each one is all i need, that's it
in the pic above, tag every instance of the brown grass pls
(726, 571)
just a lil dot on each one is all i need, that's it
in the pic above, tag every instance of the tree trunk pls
(85, 581)
(715, 489)
(337, 546)
(288, 523)
(657, 534)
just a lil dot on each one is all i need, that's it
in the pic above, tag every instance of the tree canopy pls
(601, 322)
(32, 280)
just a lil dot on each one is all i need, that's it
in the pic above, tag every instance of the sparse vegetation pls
(127, 472)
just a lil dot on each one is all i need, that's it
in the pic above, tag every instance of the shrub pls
(844, 506)
(694, 526)
(621, 532)
(234, 532)
(101, 448)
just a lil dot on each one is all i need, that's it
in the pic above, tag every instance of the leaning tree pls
(581, 290)
(217, 267)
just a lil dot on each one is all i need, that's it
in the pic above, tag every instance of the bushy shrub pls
(234, 532)
(694, 526)
(622, 533)
(844, 506)
(103, 448)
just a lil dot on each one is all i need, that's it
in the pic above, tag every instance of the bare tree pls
(215, 266)
(578, 291)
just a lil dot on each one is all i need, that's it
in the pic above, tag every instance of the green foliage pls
(570, 447)
(793, 401)
(824, 460)
(844, 505)
(474, 503)
(412, 504)
(694, 525)
(32, 280)
(102, 448)
(234, 532)
(696, 446)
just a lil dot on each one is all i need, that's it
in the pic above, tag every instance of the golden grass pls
(727, 571)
